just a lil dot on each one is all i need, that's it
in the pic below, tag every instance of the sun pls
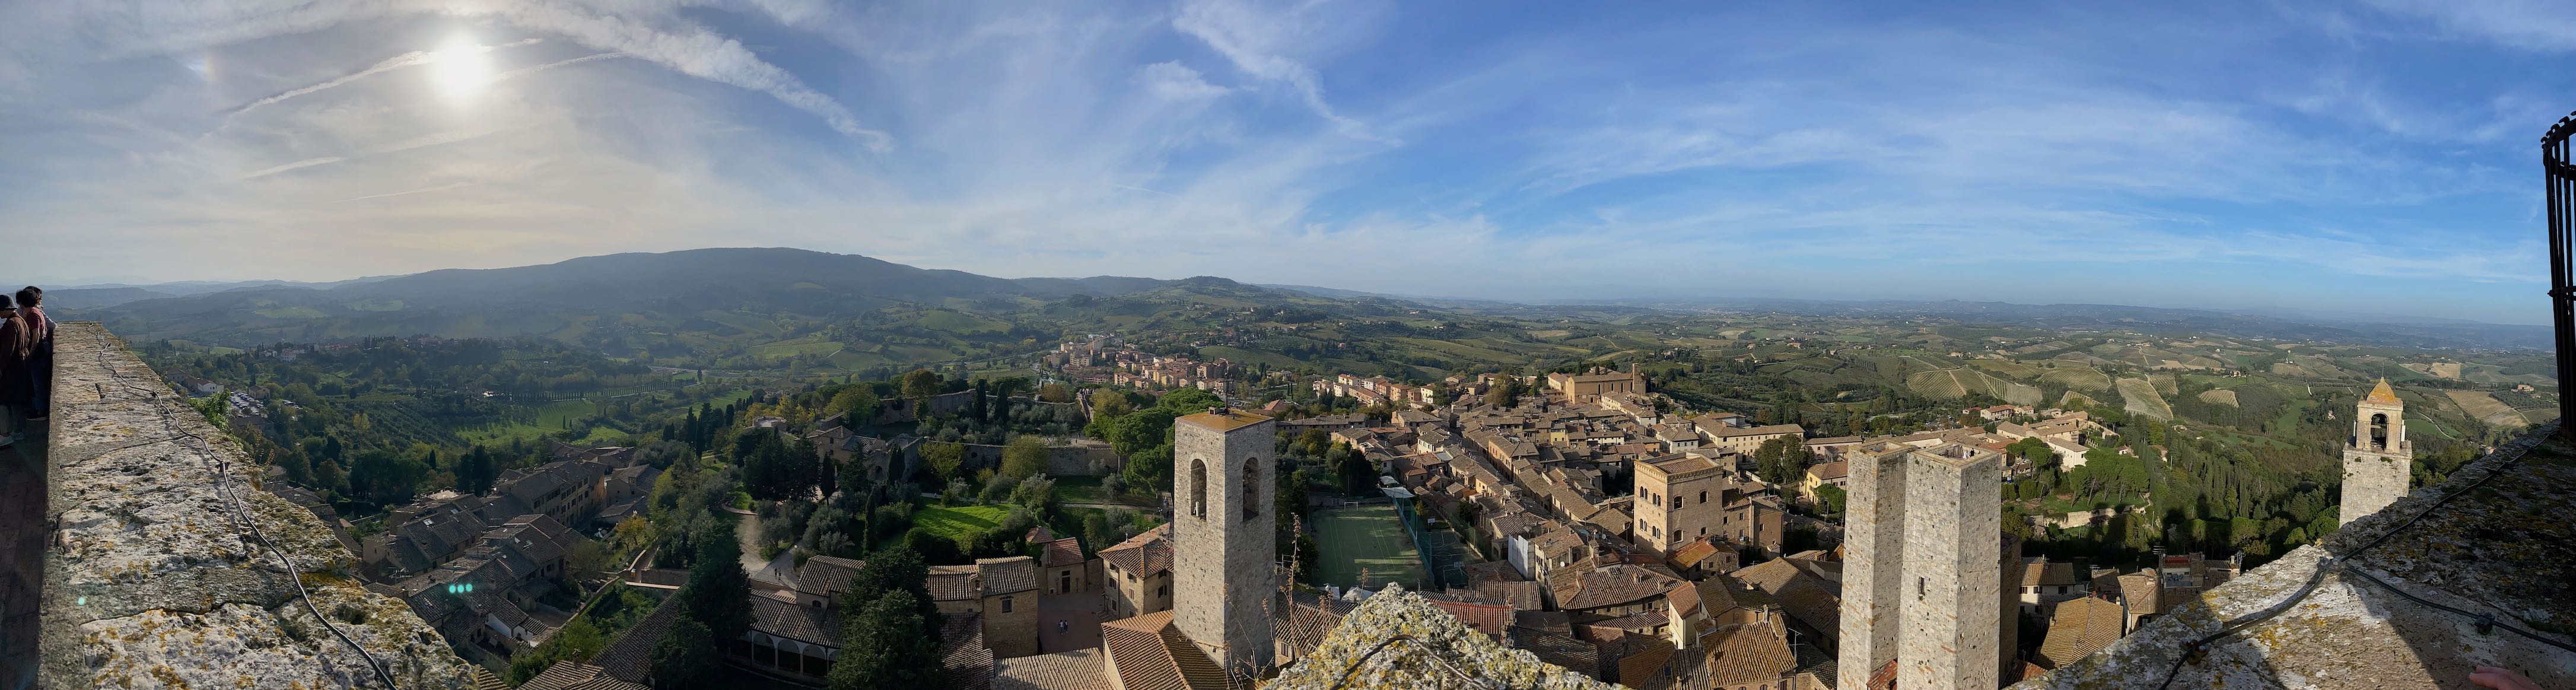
(461, 68)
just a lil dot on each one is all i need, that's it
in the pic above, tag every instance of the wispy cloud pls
(2104, 154)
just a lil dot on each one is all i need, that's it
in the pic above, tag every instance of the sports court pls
(1372, 538)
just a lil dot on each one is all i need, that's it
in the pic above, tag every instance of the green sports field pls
(1371, 538)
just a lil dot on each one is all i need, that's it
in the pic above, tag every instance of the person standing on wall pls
(40, 355)
(17, 393)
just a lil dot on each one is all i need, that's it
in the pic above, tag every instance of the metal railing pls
(2561, 179)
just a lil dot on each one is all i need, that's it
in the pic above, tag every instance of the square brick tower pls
(1224, 535)
(1954, 512)
(2378, 461)
(1923, 567)
(1873, 560)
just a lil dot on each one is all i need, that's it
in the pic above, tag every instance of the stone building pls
(2377, 460)
(1139, 574)
(1003, 592)
(1673, 506)
(1929, 583)
(1224, 540)
(1590, 386)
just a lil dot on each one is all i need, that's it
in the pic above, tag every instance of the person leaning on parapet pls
(40, 355)
(17, 341)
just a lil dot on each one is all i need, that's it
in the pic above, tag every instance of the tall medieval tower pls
(1924, 576)
(2377, 461)
(1224, 535)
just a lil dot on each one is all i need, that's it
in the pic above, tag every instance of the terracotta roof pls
(1611, 585)
(1519, 594)
(2382, 394)
(1806, 599)
(1007, 575)
(626, 658)
(1830, 471)
(1489, 619)
(574, 675)
(2081, 627)
(826, 575)
(1643, 661)
(1063, 552)
(2039, 571)
(953, 583)
(1080, 669)
(962, 654)
(1231, 420)
(1559, 649)
(1750, 653)
(1146, 555)
(802, 623)
(1691, 553)
(1684, 598)
(1151, 654)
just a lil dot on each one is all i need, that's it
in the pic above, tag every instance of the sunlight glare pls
(461, 69)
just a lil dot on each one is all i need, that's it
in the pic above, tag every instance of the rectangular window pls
(1006, 604)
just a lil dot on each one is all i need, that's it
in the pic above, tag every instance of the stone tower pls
(1224, 534)
(1873, 560)
(1923, 567)
(1954, 513)
(2377, 462)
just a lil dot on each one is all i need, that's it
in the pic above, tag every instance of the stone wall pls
(2504, 548)
(150, 583)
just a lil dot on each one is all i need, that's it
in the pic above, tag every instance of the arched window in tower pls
(1251, 488)
(2379, 431)
(1198, 488)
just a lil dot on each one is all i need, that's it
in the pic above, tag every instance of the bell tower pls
(1224, 535)
(2377, 461)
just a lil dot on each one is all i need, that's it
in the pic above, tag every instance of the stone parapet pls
(2504, 548)
(150, 578)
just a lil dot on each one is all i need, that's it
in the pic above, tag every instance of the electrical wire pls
(2197, 647)
(240, 514)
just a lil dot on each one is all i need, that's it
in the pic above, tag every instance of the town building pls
(1589, 386)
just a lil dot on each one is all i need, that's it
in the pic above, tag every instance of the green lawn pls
(1079, 490)
(962, 522)
(1352, 540)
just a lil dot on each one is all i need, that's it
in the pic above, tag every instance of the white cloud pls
(2546, 25)
(1255, 39)
(1177, 82)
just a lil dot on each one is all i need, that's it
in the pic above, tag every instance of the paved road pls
(780, 570)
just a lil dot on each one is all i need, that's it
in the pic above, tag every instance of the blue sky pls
(2366, 156)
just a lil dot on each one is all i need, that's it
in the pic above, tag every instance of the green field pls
(961, 522)
(1354, 539)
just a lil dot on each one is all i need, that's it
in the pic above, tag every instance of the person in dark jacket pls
(40, 356)
(17, 341)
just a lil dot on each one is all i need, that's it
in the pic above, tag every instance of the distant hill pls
(704, 300)
(98, 298)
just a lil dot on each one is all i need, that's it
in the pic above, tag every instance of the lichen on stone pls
(1441, 648)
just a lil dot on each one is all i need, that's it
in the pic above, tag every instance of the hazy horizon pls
(2367, 157)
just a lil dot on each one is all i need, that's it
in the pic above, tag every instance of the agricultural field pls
(2139, 396)
(2487, 409)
